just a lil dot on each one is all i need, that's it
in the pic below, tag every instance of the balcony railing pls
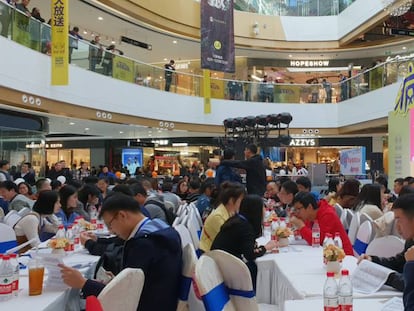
(36, 35)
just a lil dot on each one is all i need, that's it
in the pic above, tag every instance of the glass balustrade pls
(35, 35)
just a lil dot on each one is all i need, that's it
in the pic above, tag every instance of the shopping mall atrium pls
(334, 66)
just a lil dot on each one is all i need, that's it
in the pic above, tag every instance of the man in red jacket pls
(308, 210)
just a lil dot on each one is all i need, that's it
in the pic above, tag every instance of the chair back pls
(386, 246)
(24, 211)
(364, 236)
(353, 227)
(193, 227)
(127, 285)
(184, 235)
(12, 218)
(237, 279)
(339, 210)
(7, 238)
(197, 214)
(187, 297)
(211, 286)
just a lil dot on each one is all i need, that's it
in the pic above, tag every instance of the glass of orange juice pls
(36, 273)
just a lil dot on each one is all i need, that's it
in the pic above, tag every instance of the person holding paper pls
(307, 209)
(403, 209)
(151, 245)
(408, 296)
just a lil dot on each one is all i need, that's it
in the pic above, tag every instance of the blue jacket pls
(65, 221)
(408, 296)
(226, 173)
(156, 249)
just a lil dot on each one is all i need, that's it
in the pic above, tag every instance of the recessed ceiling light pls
(86, 128)
(85, 32)
(113, 42)
(175, 41)
(149, 135)
(71, 123)
(100, 18)
(404, 47)
(120, 132)
(165, 59)
(290, 55)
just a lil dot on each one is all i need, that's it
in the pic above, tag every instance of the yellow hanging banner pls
(207, 91)
(60, 42)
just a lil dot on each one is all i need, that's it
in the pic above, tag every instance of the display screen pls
(132, 159)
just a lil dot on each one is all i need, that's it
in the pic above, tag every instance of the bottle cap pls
(344, 272)
(60, 227)
(328, 235)
(330, 274)
(13, 255)
(6, 257)
(337, 234)
(70, 227)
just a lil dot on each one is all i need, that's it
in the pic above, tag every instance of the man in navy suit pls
(151, 245)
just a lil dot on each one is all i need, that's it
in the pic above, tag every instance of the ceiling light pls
(113, 42)
(175, 41)
(85, 32)
(165, 59)
(120, 132)
(71, 123)
(290, 55)
(86, 128)
(404, 47)
(100, 18)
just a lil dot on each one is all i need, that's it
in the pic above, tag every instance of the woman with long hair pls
(69, 202)
(230, 196)
(369, 201)
(238, 234)
(40, 224)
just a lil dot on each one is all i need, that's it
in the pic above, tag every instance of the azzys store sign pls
(304, 142)
(309, 63)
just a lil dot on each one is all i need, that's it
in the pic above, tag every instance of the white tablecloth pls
(297, 272)
(50, 299)
(317, 305)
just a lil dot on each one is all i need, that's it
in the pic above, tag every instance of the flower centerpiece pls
(58, 245)
(332, 256)
(87, 225)
(282, 234)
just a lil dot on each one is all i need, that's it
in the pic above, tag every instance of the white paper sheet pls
(54, 277)
(369, 277)
(394, 304)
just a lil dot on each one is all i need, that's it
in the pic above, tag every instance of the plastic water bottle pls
(70, 237)
(345, 300)
(16, 274)
(6, 279)
(282, 223)
(316, 234)
(93, 214)
(330, 293)
(61, 233)
(338, 240)
(328, 240)
(76, 233)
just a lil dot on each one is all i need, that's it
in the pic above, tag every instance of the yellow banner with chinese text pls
(60, 42)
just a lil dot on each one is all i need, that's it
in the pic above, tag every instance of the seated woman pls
(238, 234)
(369, 201)
(26, 190)
(230, 196)
(89, 197)
(40, 224)
(69, 201)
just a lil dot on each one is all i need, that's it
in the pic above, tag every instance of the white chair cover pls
(7, 238)
(182, 209)
(123, 291)
(193, 228)
(187, 298)
(353, 227)
(184, 235)
(197, 214)
(211, 286)
(386, 246)
(12, 218)
(364, 237)
(339, 210)
(237, 278)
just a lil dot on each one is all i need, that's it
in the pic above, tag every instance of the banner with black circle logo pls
(217, 35)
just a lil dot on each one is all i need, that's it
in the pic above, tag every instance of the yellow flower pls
(283, 232)
(58, 243)
(333, 253)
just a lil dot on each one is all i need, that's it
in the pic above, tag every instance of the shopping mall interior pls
(292, 45)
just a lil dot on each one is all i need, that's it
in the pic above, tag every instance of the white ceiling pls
(85, 13)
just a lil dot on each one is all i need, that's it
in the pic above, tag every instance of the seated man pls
(307, 209)
(408, 297)
(403, 209)
(151, 245)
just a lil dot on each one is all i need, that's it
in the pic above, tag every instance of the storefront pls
(22, 139)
